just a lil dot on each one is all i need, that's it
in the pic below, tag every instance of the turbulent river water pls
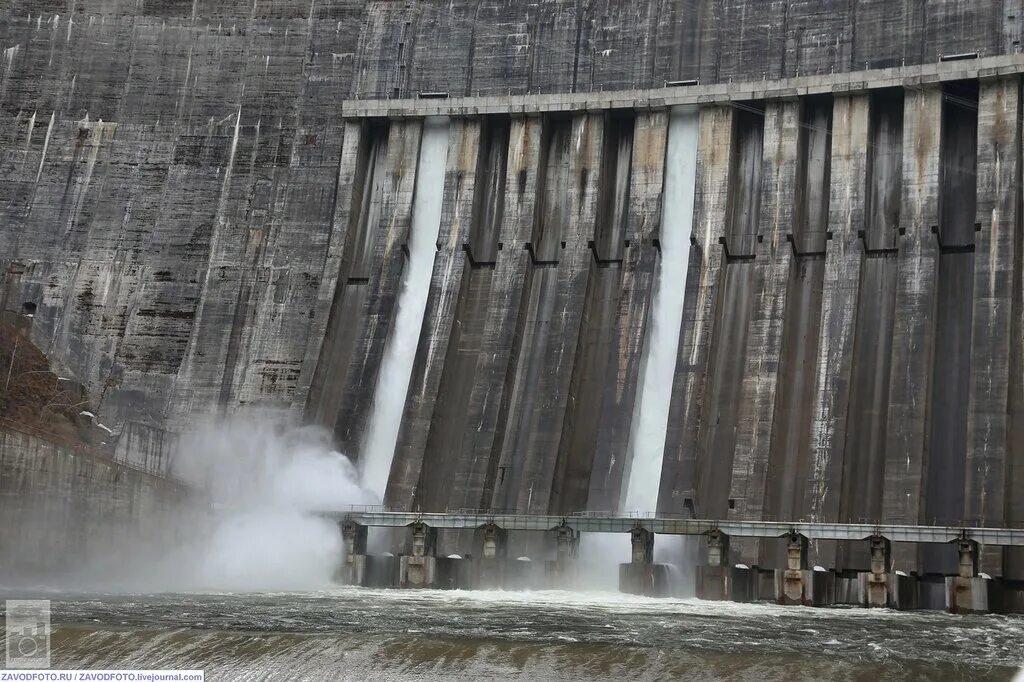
(352, 633)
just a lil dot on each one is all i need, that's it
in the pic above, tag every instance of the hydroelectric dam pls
(747, 271)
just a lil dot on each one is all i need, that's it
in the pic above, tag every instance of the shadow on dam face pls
(946, 480)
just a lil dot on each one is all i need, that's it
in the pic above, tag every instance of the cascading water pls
(650, 416)
(393, 383)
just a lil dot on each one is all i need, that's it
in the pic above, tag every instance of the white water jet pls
(393, 383)
(650, 416)
(250, 521)
(267, 482)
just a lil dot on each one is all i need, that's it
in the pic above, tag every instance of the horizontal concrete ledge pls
(624, 524)
(656, 98)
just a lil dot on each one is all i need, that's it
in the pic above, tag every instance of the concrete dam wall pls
(813, 206)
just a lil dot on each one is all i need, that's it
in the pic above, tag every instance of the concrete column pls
(641, 575)
(493, 543)
(353, 567)
(968, 553)
(713, 579)
(967, 592)
(791, 587)
(322, 398)
(371, 270)
(990, 449)
(875, 585)
(420, 568)
(642, 541)
(567, 541)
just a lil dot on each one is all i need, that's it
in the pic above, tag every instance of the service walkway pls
(594, 523)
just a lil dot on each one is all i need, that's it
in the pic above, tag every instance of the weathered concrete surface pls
(62, 507)
(843, 256)
(988, 489)
(205, 225)
(678, 479)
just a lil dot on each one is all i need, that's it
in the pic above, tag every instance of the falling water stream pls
(650, 418)
(393, 382)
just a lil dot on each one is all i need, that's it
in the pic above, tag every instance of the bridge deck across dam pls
(591, 523)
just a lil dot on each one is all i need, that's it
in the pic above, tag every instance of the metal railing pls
(593, 522)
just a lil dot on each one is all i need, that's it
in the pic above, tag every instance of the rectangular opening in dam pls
(554, 188)
(613, 195)
(884, 169)
(744, 212)
(814, 163)
(945, 485)
(367, 197)
(489, 189)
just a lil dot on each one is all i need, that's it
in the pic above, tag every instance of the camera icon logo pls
(28, 633)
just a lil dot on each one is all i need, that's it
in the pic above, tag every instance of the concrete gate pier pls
(419, 569)
(560, 571)
(641, 575)
(797, 585)
(490, 567)
(968, 592)
(714, 578)
(874, 586)
(353, 565)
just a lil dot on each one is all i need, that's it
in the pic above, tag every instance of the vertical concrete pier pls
(560, 570)
(874, 586)
(713, 579)
(353, 566)
(419, 569)
(493, 543)
(790, 588)
(641, 575)
(968, 592)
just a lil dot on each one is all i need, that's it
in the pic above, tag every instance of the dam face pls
(213, 208)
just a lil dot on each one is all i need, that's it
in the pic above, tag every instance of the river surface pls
(355, 633)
